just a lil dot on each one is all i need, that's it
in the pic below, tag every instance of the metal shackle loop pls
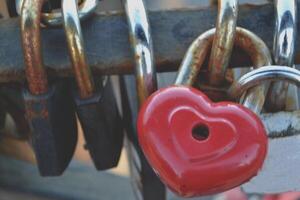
(141, 40)
(261, 75)
(283, 48)
(75, 42)
(86, 9)
(198, 50)
(31, 41)
(252, 44)
(223, 41)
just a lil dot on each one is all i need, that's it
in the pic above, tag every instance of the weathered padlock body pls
(49, 107)
(101, 124)
(52, 120)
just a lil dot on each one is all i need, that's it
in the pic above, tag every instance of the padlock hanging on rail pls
(95, 102)
(49, 108)
(198, 147)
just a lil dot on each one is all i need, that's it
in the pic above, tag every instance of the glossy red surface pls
(232, 153)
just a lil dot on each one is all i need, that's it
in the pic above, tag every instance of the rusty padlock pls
(96, 105)
(198, 147)
(49, 108)
(223, 41)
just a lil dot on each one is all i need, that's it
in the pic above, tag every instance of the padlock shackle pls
(246, 40)
(285, 32)
(197, 52)
(53, 19)
(76, 48)
(31, 42)
(223, 41)
(285, 36)
(261, 75)
(141, 41)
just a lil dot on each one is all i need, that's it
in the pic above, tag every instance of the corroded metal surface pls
(31, 37)
(48, 110)
(173, 31)
(249, 42)
(223, 41)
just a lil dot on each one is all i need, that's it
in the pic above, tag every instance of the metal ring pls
(252, 44)
(261, 75)
(283, 48)
(140, 38)
(86, 9)
(31, 41)
(75, 42)
(223, 41)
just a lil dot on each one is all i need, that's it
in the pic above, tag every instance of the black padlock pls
(94, 98)
(49, 109)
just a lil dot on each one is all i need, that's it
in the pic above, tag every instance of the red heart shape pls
(228, 146)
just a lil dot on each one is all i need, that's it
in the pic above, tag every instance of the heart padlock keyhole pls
(200, 132)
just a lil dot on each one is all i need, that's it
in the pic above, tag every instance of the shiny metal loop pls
(140, 38)
(223, 41)
(75, 42)
(145, 72)
(31, 42)
(261, 75)
(283, 48)
(86, 9)
(252, 44)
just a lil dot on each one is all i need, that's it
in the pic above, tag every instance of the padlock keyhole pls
(200, 132)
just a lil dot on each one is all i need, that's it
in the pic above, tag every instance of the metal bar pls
(108, 46)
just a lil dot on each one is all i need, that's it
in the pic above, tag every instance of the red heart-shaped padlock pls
(198, 147)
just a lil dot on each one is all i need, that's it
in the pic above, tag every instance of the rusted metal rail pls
(107, 43)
